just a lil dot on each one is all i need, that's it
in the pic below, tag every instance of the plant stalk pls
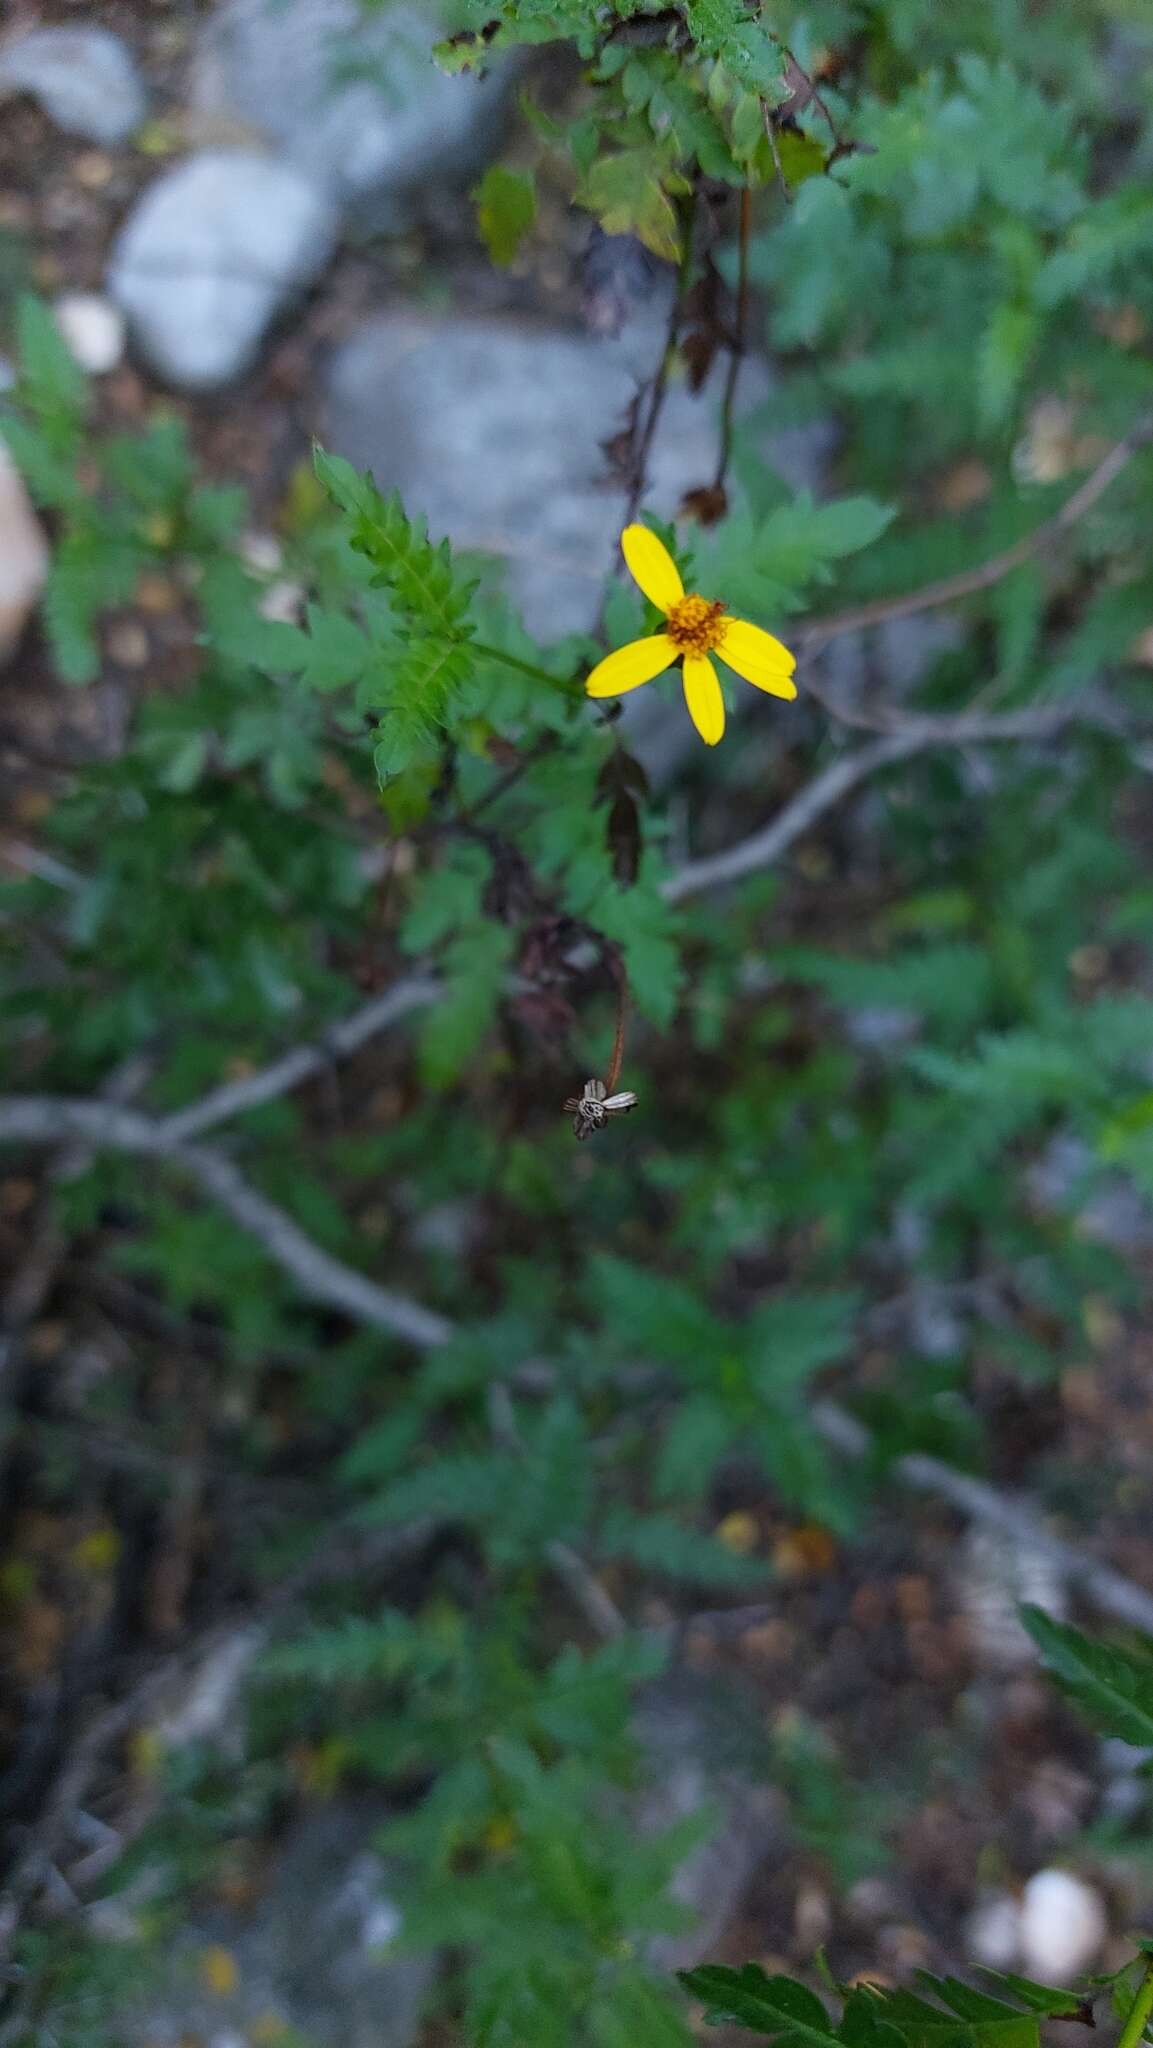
(1133, 2031)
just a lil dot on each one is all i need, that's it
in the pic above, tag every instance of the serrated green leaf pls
(776, 2006)
(50, 376)
(1051, 1999)
(1112, 1686)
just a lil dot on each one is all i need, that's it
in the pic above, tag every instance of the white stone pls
(210, 254)
(352, 97)
(260, 552)
(94, 330)
(84, 78)
(993, 1932)
(24, 557)
(1063, 1926)
(283, 602)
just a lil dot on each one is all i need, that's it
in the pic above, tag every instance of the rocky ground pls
(270, 275)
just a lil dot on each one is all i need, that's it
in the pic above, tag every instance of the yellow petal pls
(758, 658)
(704, 699)
(627, 666)
(652, 567)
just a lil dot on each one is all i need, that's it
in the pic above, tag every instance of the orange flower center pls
(695, 626)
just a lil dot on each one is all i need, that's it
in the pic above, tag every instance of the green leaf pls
(50, 377)
(474, 966)
(801, 156)
(506, 210)
(919, 2024)
(344, 484)
(1049, 1999)
(1113, 1686)
(628, 193)
(776, 2006)
(337, 651)
(1006, 347)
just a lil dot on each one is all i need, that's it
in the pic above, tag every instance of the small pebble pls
(260, 552)
(993, 1932)
(128, 644)
(282, 603)
(93, 170)
(94, 330)
(1063, 1926)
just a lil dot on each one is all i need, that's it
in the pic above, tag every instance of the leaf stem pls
(525, 668)
(1133, 2031)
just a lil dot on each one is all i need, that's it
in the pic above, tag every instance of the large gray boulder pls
(348, 95)
(491, 429)
(84, 78)
(211, 253)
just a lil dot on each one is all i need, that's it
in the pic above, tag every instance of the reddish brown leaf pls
(706, 504)
(623, 839)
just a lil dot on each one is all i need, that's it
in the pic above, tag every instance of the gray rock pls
(350, 96)
(211, 253)
(704, 1750)
(84, 78)
(313, 1953)
(490, 429)
(1109, 1207)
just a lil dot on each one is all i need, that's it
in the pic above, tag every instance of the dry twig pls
(967, 582)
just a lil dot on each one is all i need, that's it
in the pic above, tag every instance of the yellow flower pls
(695, 628)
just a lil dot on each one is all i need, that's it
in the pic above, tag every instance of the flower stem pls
(1133, 2031)
(740, 335)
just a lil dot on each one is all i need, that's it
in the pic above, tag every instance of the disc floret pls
(696, 625)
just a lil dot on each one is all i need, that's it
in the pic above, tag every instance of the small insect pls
(591, 1109)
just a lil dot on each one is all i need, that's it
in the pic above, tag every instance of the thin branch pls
(235, 1097)
(53, 1120)
(1015, 1518)
(917, 736)
(70, 1791)
(209, 1673)
(602, 1613)
(658, 389)
(951, 589)
(47, 1120)
(43, 867)
(899, 740)
(775, 150)
(660, 383)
